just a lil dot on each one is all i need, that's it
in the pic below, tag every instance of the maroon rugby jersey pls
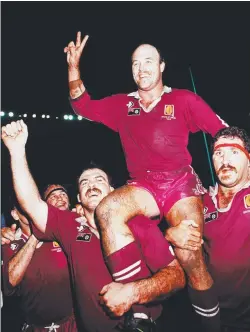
(227, 235)
(45, 289)
(88, 269)
(157, 140)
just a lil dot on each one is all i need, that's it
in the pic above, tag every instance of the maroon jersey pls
(88, 269)
(157, 140)
(45, 289)
(227, 235)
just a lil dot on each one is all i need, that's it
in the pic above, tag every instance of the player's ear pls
(162, 66)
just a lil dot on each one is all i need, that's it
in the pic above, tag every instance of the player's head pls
(147, 67)
(93, 185)
(231, 153)
(57, 195)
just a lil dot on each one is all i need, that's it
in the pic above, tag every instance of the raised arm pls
(74, 52)
(15, 136)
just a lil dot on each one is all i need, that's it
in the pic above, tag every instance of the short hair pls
(232, 132)
(93, 165)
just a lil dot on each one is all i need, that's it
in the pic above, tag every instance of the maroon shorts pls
(169, 187)
(65, 325)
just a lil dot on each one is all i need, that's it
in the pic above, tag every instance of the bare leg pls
(116, 210)
(201, 291)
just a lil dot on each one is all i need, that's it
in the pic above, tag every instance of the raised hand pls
(14, 135)
(74, 51)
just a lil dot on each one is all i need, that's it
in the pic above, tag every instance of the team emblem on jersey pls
(56, 247)
(134, 111)
(211, 216)
(247, 201)
(85, 237)
(168, 112)
(13, 246)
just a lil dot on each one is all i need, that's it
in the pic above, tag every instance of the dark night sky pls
(212, 37)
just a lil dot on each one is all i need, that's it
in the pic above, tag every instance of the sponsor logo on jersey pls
(13, 246)
(130, 104)
(211, 216)
(85, 237)
(247, 201)
(169, 112)
(134, 111)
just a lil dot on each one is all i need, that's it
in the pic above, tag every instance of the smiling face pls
(146, 67)
(93, 187)
(56, 195)
(230, 162)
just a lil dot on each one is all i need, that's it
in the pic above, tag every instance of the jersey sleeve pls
(155, 248)
(200, 116)
(105, 111)
(58, 227)
(8, 252)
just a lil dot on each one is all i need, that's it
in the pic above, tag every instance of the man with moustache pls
(80, 240)
(227, 228)
(154, 123)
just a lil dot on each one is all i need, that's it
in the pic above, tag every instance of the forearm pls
(26, 190)
(76, 87)
(17, 266)
(160, 285)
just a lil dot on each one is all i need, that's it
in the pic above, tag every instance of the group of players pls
(109, 267)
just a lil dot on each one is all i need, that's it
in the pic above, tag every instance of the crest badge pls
(247, 201)
(169, 112)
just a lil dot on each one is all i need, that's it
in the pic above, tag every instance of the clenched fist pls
(14, 136)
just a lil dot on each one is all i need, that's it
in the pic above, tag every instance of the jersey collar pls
(213, 191)
(136, 95)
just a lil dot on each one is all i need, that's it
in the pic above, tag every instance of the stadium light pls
(11, 114)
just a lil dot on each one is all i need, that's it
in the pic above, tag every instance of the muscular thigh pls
(131, 200)
(186, 208)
